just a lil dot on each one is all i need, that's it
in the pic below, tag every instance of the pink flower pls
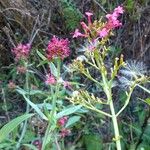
(103, 33)
(78, 34)
(37, 144)
(85, 27)
(112, 22)
(119, 10)
(21, 69)
(89, 14)
(67, 84)
(21, 51)
(112, 16)
(11, 85)
(58, 48)
(64, 132)
(34, 87)
(50, 79)
(62, 121)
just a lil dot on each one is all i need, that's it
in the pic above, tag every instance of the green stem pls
(52, 117)
(46, 135)
(107, 89)
(113, 115)
(53, 111)
(127, 101)
(5, 104)
(115, 124)
(27, 111)
(89, 106)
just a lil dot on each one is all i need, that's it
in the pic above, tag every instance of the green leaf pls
(31, 92)
(30, 146)
(34, 92)
(93, 141)
(21, 91)
(130, 5)
(147, 101)
(53, 69)
(29, 136)
(68, 111)
(41, 55)
(42, 63)
(34, 106)
(4, 145)
(72, 120)
(9, 127)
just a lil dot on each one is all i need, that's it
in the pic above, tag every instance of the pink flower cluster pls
(50, 79)
(112, 22)
(84, 27)
(67, 85)
(21, 51)
(64, 131)
(58, 48)
(62, 121)
(21, 69)
(37, 144)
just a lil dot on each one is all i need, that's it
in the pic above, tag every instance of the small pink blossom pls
(34, 87)
(62, 121)
(78, 34)
(58, 48)
(103, 33)
(67, 84)
(11, 85)
(37, 144)
(21, 69)
(89, 14)
(21, 51)
(119, 10)
(112, 22)
(85, 27)
(112, 16)
(50, 79)
(64, 132)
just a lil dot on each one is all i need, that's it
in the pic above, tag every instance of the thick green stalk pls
(115, 124)
(107, 89)
(108, 92)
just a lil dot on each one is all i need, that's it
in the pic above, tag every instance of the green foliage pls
(72, 120)
(34, 106)
(147, 101)
(93, 142)
(71, 14)
(130, 5)
(68, 111)
(50, 103)
(9, 127)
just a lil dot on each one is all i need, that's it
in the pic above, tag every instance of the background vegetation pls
(38, 21)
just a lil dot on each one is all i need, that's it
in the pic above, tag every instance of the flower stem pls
(51, 123)
(107, 89)
(27, 111)
(115, 124)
